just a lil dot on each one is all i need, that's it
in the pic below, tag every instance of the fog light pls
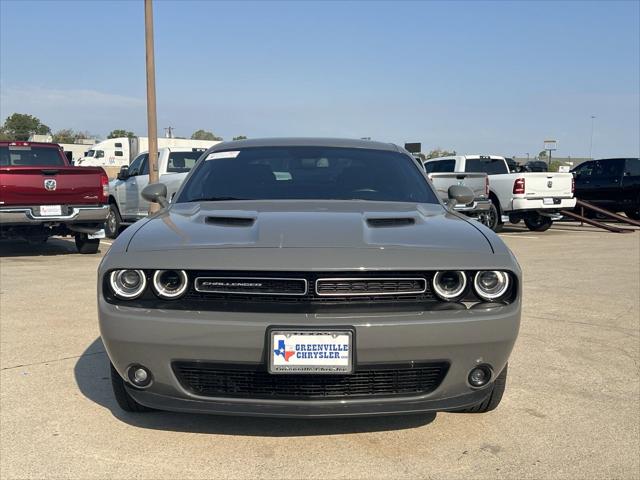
(479, 376)
(139, 376)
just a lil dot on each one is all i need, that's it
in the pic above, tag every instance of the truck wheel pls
(514, 219)
(538, 223)
(633, 214)
(86, 245)
(493, 219)
(493, 399)
(113, 222)
(125, 401)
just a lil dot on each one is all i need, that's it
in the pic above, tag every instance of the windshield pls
(30, 156)
(307, 173)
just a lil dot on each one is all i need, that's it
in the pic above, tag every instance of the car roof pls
(29, 144)
(305, 142)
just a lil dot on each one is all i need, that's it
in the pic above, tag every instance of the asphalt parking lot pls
(571, 410)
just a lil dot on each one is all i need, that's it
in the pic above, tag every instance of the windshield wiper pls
(216, 199)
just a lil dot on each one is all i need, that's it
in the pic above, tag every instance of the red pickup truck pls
(42, 195)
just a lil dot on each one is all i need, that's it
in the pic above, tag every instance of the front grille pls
(216, 380)
(251, 285)
(370, 286)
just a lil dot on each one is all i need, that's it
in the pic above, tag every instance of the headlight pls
(491, 284)
(170, 284)
(449, 285)
(128, 284)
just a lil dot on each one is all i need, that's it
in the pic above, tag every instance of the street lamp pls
(593, 117)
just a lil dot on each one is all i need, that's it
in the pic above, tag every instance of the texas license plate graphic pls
(311, 352)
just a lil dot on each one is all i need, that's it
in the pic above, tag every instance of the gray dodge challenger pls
(308, 278)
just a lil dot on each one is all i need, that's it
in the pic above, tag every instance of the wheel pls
(493, 219)
(493, 399)
(515, 219)
(86, 245)
(113, 222)
(538, 223)
(633, 214)
(125, 401)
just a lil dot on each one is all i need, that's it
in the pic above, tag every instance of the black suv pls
(611, 183)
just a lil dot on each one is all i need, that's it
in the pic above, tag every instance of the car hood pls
(309, 225)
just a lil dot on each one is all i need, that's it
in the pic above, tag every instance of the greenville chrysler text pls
(308, 277)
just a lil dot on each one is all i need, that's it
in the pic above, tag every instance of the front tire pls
(538, 223)
(494, 398)
(493, 219)
(114, 221)
(86, 245)
(125, 401)
(633, 214)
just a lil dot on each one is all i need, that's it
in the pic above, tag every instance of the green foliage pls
(542, 154)
(240, 137)
(20, 126)
(66, 135)
(553, 166)
(204, 135)
(119, 133)
(438, 152)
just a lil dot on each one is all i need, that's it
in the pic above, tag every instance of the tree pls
(240, 137)
(542, 154)
(438, 152)
(66, 135)
(20, 126)
(204, 135)
(119, 133)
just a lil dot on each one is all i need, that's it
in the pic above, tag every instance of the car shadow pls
(92, 377)
(53, 246)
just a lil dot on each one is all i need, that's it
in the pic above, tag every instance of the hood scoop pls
(390, 222)
(230, 221)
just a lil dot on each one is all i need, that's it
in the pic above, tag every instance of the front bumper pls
(155, 338)
(539, 204)
(29, 215)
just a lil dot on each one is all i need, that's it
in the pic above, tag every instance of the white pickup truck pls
(126, 205)
(536, 198)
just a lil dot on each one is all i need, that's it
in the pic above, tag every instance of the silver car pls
(310, 278)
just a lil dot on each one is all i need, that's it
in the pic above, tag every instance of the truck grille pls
(216, 380)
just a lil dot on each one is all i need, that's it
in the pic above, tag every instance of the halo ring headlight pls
(170, 284)
(490, 285)
(128, 284)
(450, 285)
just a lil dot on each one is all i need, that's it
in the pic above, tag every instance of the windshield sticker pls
(217, 155)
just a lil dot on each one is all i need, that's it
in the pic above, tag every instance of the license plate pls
(50, 210)
(98, 234)
(311, 351)
(547, 201)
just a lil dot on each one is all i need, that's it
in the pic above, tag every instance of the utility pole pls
(593, 117)
(152, 119)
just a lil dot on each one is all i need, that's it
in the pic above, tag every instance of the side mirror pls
(156, 193)
(123, 174)
(459, 195)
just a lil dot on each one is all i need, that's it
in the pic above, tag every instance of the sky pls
(478, 77)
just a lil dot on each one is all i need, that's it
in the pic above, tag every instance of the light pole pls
(152, 121)
(593, 117)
